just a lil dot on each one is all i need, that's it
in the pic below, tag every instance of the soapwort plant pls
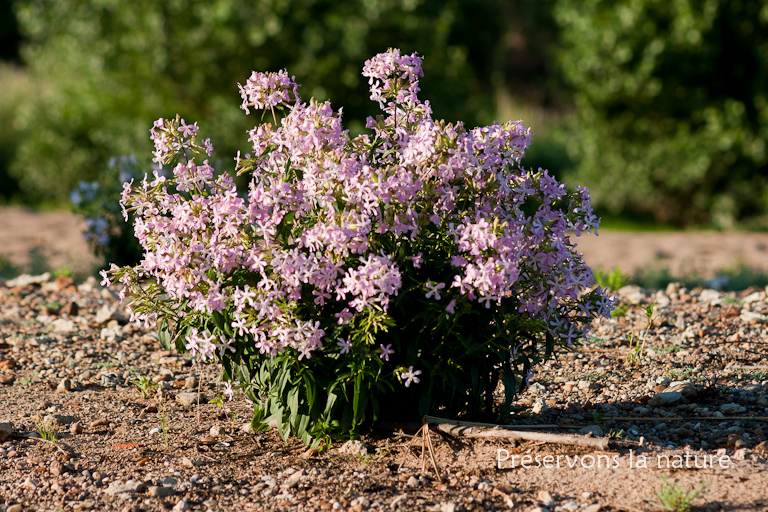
(400, 272)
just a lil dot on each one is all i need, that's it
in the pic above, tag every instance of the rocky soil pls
(688, 403)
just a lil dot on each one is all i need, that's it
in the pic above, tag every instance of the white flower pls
(410, 376)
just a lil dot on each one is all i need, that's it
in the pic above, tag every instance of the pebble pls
(181, 506)
(665, 398)
(190, 399)
(355, 448)
(107, 313)
(545, 498)
(752, 317)
(732, 409)
(593, 508)
(686, 388)
(540, 406)
(412, 481)
(120, 487)
(63, 326)
(537, 388)
(158, 491)
(27, 279)
(14, 508)
(292, 481)
(588, 385)
(595, 430)
(99, 423)
(6, 430)
(64, 386)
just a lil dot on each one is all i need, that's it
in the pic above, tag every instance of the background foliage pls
(106, 69)
(658, 107)
(671, 106)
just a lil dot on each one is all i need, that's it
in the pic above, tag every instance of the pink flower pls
(386, 351)
(345, 346)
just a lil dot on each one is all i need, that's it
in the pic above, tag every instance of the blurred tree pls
(672, 103)
(105, 69)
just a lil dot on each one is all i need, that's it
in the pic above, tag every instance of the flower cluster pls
(376, 254)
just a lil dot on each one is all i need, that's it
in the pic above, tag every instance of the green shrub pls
(109, 234)
(105, 70)
(672, 106)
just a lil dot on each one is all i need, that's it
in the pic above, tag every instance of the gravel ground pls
(689, 404)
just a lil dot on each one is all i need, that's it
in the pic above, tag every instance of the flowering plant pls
(387, 275)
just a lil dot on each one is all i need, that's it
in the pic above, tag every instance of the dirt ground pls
(56, 236)
(692, 402)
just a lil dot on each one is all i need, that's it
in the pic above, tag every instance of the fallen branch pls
(461, 423)
(689, 418)
(472, 429)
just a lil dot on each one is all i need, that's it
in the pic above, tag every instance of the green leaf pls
(164, 335)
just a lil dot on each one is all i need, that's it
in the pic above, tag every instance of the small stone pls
(99, 423)
(216, 431)
(666, 398)
(119, 487)
(56, 468)
(593, 508)
(545, 498)
(448, 507)
(6, 430)
(540, 406)
(14, 508)
(76, 428)
(158, 491)
(107, 313)
(412, 481)
(64, 386)
(7, 380)
(190, 399)
(208, 440)
(58, 419)
(731, 409)
(292, 481)
(686, 388)
(594, 430)
(740, 453)
(537, 388)
(355, 448)
(181, 506)
(70, 309)
(752, 317)
(63, 326)
(588, 385)
(397, 501)
(191, 462)
(190, 382)
(26, 280)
